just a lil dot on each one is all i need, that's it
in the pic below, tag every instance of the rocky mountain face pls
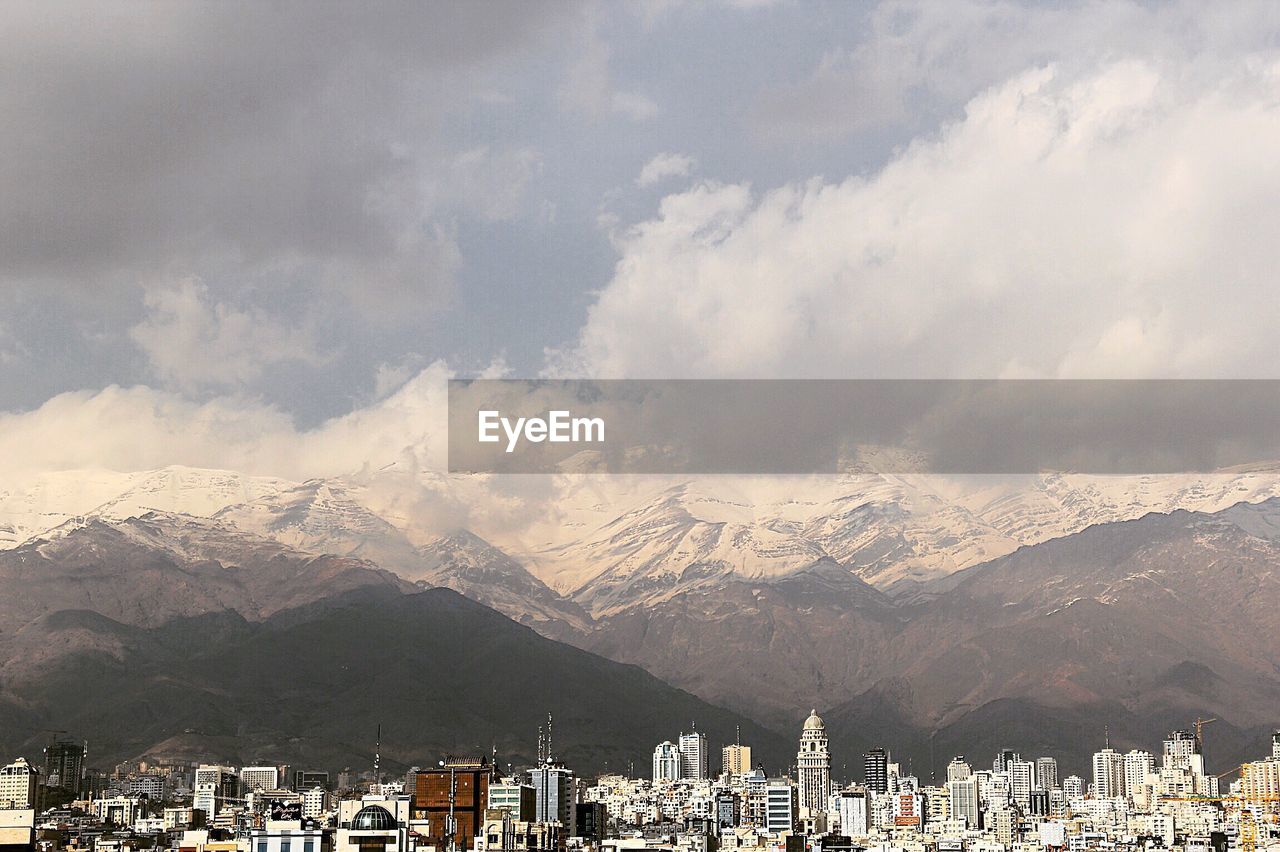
(309, 685)
(924, 614)
(468, 564)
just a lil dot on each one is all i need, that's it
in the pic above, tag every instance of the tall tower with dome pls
(813, 764)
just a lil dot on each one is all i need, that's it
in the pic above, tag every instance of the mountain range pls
(930, 615)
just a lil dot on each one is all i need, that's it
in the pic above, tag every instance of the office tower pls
(64, 765)
(667, 762)
(19, 784)
(965, 800)
(459, 789)
(852, 811)
(554, 795)
(215, 787)
(1022, 781)
(735, 759)
(1260, 780)
(958, 769)
(1108, 774)
(1046, 773)
(1003, 759)
(813, 765)
(1073, 787)
(1137, 766)
(693, 755)
(875, 770)
(1180, 749)
(259, 778)
(780, 806)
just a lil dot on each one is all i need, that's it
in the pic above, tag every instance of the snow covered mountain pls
(610, 544)
(895, 532)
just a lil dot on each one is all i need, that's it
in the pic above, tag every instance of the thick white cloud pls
(1116, 222)
(141, 428)
(194, 342)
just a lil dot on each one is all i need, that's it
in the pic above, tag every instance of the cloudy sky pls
(260, 235)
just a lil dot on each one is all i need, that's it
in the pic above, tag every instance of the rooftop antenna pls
(548, 736)
(377, 756)
(1106, 736)
(738, 734)
(542, 746)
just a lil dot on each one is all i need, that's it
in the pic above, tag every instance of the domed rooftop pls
(373, 818)
(814, 722)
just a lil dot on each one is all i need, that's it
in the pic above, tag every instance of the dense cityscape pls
(1132, 800)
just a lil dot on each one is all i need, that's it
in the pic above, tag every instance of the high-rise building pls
(1108, 774)
(693, 755)
(780, 806)
(1022, 781)
(1003, 758)
(555, 795)
(958, 769)
(1180, 750)
(852, 812)
(666, 762)
(1046, 773)
(64, 765)
(215, 787)
(1260, 780)
(813, 765)
(259, 778)
(451, 799)
(965, 801)
(735, 759)
(19, 784)
(1072, 787)
(1137, 766)
(875, 770)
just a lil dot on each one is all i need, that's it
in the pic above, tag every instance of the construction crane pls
(1200, 723)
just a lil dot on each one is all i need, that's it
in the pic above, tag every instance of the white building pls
(666, 762)
(693, 755)
(259, 778)
(813, 765)
(119, 810)
(850, 809)
(965, 800)
(19, 782)
(216, 788)
(1022, 780)
(780, 806)
(1138, 765)
(1108, 774)
(958, 769)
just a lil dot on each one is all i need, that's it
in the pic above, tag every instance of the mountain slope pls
(439, 673)
(468, 564)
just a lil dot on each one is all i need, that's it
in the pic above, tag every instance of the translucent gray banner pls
(887, 426)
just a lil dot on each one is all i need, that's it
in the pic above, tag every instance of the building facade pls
(813, 765)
